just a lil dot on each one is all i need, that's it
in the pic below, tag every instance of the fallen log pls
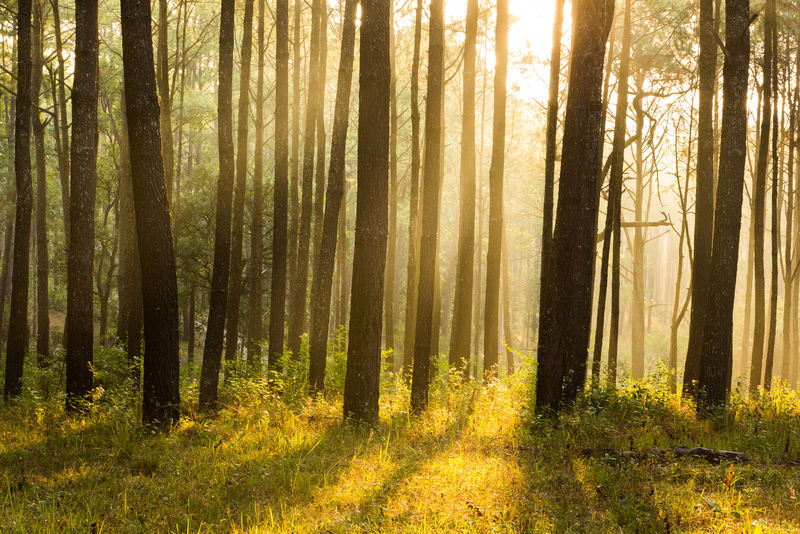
(710, 455)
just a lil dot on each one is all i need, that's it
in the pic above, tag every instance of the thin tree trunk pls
(18, 316)
(759, 201)
(507, 309)
(776, 185)
(391, 246)
(281, 188)
(429, 228)
(319, 172)
(298, 290)
(83, 178)
(491, 334)
(412, 271)
(212, 352)
(165, 96)
(63, 148)
(255, 306)
(240, 190)
(42, 258)
(323, 273)
(638, 296)
(460, 338)
(294, 193)
(363, 352)
(614, 199)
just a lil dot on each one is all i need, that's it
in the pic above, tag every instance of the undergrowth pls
(274, 460)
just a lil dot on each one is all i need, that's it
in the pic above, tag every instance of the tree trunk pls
(363, 352)
(18, 316)
(491, 334)
(614, 202)
(507, 309)
(776, 229)
(323, 274)
(237, 230)
(42, 257)
(83, 179)
(391, 246)
(759, 201)
(744, 357)
(212, 352)
(297, 40)
(298, 289)
(460, 338)
(319, 173)
(717, 342)
(165, 97)
(63, 124)
(281, 188)
(255, 306)
(160, 388)
(567, 293)
(637, 296)
(412, 271)
(430, 210)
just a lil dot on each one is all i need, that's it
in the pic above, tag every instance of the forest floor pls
(476, 461)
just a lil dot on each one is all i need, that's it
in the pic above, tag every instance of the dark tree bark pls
(165, 96)
(775, 225)
(83, 180)
(613, 212)
(63, 125)
(130, 266)
(391, 246)
(567, 294)
(257, 222)
(323, 274)
(281, 189)
(18, 315)
(717, 342)
(759, 204)
(299, 287)
(212, 352)
(319, 172)
(491, 339)
(160, 391)
(297, 41)
(237, 230)
(363, 352)
(550, 155)
(412, 271)
(460, 338)
(429, 228)
(42, 257)
(704, 195)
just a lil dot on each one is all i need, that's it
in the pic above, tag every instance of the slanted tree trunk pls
(759, 201)
(412, 271)
(430, 210)
(460, 338)
(42, 257)
(361, 387)
(321, 285)
(567, 293)
(18, 316)
(237, 229)
(281, 188)
(717, 342)
(255, 305)
(160, 391)
(83, 179)
(212, 352)
(491, 338)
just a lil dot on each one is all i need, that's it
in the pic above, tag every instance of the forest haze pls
(427, 221)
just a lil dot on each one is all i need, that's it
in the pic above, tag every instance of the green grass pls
(476, 461)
